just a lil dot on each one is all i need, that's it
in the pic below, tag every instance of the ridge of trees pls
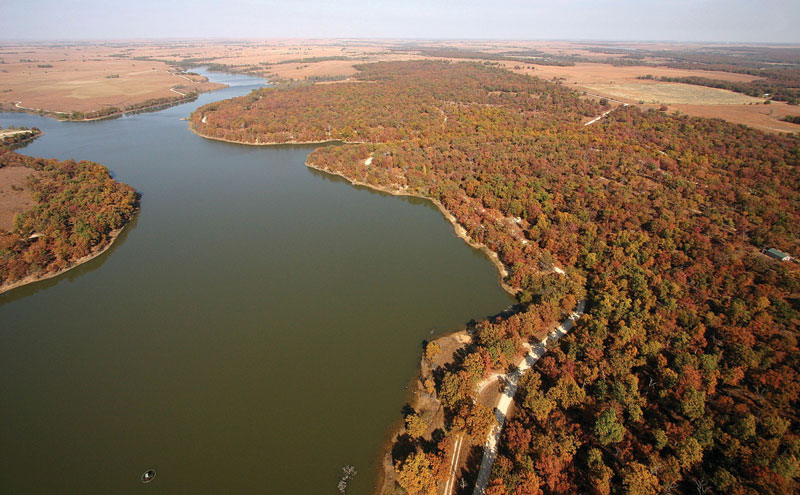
(150, 104)
(682, 376)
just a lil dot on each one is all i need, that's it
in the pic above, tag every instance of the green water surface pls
(252, 331)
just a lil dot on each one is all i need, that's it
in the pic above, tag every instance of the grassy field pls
(601, 73)
(764, 117)
(672, 93)
(14, 197)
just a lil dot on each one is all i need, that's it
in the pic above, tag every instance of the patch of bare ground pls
(4, 133)
(671, 93)
(764, 117)
(600, 73)
(465, 456)
(423, 403)
(14, 197)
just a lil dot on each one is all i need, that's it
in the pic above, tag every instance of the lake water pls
(250, 332)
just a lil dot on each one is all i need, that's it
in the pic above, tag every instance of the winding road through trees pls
(512, 380)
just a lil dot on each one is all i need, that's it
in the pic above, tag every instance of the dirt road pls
(512, 379)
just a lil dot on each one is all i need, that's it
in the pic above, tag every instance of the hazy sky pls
(683, 20)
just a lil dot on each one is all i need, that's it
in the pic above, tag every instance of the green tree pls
(607, 429)
(693, 404)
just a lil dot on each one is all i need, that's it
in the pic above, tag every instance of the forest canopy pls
(682, 376)
(78, 207)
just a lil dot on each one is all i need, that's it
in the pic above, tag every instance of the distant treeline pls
(109, 112)
(312, 60)
(778, 68)
(527, 56)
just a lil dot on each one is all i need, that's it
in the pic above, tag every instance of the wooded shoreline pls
(638, 207)
(30, 279)
(459, 230)
(385, 480)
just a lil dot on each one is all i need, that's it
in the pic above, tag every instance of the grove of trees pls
(78, 206)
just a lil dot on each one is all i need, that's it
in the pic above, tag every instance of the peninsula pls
(655, 219)
(55, 215)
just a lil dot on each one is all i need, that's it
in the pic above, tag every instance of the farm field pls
(85, 79)
(671, 93)
(763, 117)
(88, 77)
(14, 196)
(604, 73)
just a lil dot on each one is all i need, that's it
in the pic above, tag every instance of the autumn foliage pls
(682, 376)
(78, 206)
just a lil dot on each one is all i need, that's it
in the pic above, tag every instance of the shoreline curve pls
(30, 279)
(460, 231)
(414, 382)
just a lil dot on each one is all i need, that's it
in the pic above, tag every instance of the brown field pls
(266, 57)
(671, 93)
(77, 79)
(589, 73)
(764, 117)
(13, 197)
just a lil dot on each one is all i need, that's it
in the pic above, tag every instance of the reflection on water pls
(72, 274)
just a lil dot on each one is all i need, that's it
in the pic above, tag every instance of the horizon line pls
(348, 38)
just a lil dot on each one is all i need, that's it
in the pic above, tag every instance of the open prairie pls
(85, 78)
(764, 117)
(14, 197)
(604, 73)
(669, 93)
(91, 76)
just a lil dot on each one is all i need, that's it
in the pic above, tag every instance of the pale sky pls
(678, 20)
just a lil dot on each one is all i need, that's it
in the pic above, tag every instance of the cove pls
(250, 332)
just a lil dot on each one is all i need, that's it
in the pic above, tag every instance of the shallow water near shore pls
(250, 332)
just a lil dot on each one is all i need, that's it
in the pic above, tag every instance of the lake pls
(251, 331)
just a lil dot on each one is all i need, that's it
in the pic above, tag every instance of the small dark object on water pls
(148, 476)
